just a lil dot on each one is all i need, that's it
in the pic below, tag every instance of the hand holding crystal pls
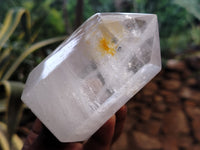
(41, 138)
(93, 73)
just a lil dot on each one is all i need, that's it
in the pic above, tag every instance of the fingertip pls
(120, 120)
(110, 124)
(102, 139)
(37, 126)
(105, 134)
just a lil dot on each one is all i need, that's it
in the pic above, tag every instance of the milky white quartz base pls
(76, 89)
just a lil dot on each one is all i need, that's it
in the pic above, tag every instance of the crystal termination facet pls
(93, 73)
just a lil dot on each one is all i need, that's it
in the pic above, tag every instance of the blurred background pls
(165, 115)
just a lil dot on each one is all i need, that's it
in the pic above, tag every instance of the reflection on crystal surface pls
(135, 26)
(135, 64)
(145, 50)
(93, 73)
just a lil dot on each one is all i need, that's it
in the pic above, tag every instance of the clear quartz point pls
(106, 61)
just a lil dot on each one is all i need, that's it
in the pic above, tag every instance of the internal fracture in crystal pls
(93, 73)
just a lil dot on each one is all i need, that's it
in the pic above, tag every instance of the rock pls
(159, 107)
(173, 75)
(176, 65)
(121, 143)
(189, 93)
(152, 86)
(131, 105)
(140, 126)
(189, 103)
(185, 141)
(147, 99)
(174, 123)
(185, 93)
(171, 84)
(191, 82)
(170, 143)
(148, 92)
(172, 98)
(165, 92)
(157, 116)
(186, 74)
(144, 141)
(192, 111)
(169, 96)
(146, 113)
(194, 62)
(150, 89)
(196, 128)
(195, 95)
(196, 147)
(153, 127)
(158, 98)
(128, 123)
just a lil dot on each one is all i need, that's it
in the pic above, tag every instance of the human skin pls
(40, 138)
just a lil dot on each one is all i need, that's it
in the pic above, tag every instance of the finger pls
(46, 140)
(73, 146)
(41, 138)
(120, 120)
(102, 139)
(36, 129)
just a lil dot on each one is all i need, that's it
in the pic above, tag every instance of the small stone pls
(185, 93)
(186, 74)
(171, 84)
(172, 98)
(150, 89)
(158, 98)
(153, 127)
(191, 82)
(157, 116)
(188, 93)
(196, 128)
(176, 65)
(144, 141)
(165, 92)
(145, 113)
(148, 92)
(173, 75)
(121, 143)
(170, 143)
(128, 123)
(185, 141)
(196, 147)
(175, 122)
(152, 86)
(147, 99)
(189, 103)
(169, 96)
(159, 107)
(192, 111)
(194, 62)
(139, 126)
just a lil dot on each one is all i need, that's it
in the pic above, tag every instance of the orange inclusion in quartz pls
(107, 47)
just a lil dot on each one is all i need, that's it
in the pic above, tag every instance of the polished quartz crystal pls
(106, 61)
